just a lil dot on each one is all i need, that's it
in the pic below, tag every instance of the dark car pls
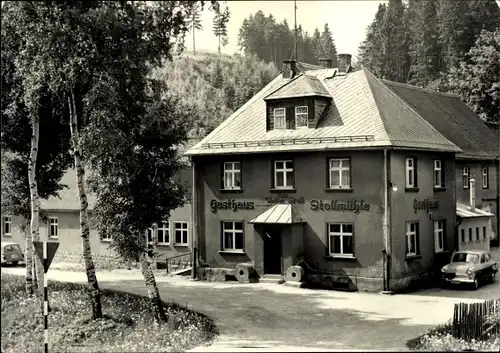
(11, 252)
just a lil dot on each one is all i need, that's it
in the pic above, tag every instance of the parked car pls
(471, 267)
(11, 252)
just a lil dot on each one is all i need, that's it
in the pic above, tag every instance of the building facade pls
(335, 169)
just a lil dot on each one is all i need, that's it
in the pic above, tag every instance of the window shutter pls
(415, 172)
(222, 175)
(417, 238)
(445, 238)
(406, 238)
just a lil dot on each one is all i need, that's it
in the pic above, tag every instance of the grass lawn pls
(128, 325)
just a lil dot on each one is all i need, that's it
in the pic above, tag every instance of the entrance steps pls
(278, 279)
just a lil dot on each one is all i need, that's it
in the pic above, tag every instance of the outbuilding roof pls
(464, 211)
(364, 113)
(452, 118)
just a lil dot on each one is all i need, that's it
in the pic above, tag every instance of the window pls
(470, 235)
(485, 178)
(53, 227)
(7, 226)
(438, 174)
(410, 173)
(478, 237)
(283, 174)
(163, 233)
(412, 246)
(150, 235)
(484, 233)
(232, 175)
(340, 239)
(340, 173)
(465, 177)
(462, 233)
(232, 236)
(439, 235)
(181, 233)
(301, 116)
(106, 237)
(279, 118)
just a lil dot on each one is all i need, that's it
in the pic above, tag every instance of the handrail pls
(174, 257)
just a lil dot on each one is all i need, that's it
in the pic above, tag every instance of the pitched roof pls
(364, 113)
(300, 86)
(452, 118)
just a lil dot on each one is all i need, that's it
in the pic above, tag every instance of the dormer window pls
(301, 116)
(279, 118)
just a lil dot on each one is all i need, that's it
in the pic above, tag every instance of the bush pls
(127, 326)
(440, 339)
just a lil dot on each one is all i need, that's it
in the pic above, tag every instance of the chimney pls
(326, 63)
(344, 63)
(289, 68)
(472, 188)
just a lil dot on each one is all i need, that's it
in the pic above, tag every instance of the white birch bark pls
(28, 258)
(93, 285)
(153, 293)
(35, 202)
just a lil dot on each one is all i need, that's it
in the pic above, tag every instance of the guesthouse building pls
(331, 168)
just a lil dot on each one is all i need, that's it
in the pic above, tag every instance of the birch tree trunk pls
(153, 293)
(93, 285)
(35, 202)
(28, 258)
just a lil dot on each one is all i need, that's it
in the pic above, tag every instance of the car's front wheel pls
(492, 277)
(475, 284)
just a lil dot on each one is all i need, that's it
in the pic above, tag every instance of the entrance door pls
(272, 250)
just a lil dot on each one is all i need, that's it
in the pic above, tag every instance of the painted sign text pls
(336, 205)
(231, 204)
(425, 204)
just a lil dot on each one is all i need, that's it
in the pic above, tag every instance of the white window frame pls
(165, 228)
(438, 233)
(438, 173)
(341, 234)
(183, 231)
(409, 234)
(465, 177)
(106, 237)
(234, 232)
(232, 169)
(341, 169)
(410, 170)
(486, 177)
(284, 171)
(301, 114)
(51, 224)
(7, 220)
(276, 126)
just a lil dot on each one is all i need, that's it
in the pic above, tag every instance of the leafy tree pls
(478, 80)
(221, 18)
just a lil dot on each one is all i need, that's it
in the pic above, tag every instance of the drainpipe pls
(472, 195)
(386, 225)
(194, 213)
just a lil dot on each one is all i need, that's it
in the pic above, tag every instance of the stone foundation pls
(212, 274)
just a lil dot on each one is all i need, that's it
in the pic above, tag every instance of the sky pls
(347, 21)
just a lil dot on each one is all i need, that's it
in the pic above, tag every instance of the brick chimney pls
(289, 68)
(325, 62)
(472, 194)
(344, 63)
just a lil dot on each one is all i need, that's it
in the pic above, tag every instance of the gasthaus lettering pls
(425, 204)
(231, 204)
(336, 205)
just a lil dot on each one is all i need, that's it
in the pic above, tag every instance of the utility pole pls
(295, 56)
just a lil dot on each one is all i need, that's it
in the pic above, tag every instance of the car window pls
(465, 257)
(483, 258)
(488, 257)
(12, 248)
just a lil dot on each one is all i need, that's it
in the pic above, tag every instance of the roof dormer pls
(299, 103)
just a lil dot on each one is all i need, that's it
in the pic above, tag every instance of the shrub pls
(128, 324)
